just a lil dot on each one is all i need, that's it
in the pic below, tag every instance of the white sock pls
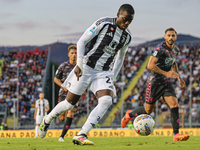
(97, 113)
(36, 131)
(57, 110)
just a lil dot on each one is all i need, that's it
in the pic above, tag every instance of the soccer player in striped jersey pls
(100, 55)
(41, 109)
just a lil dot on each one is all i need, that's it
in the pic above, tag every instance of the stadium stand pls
(32, 64)
(28, 68)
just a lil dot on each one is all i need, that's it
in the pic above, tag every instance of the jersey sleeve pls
(157, 52)
(88, 35)
(177, 51)
(119, 59)
(46, 103)
(36, 104)
(59, 71)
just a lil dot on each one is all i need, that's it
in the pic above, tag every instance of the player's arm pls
(119, 61)
(175, 68)
(35, 112)
(47, 105)
(59, 83)
(58, 75)
(47, 109)
(89, 34)
(153, 67)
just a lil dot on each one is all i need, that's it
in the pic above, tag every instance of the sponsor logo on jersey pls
(93, 29)
(111, 28)
(113, 44)
(169, 61)
(110, 34)
(123, 38)
(155, 53)
(109, 50)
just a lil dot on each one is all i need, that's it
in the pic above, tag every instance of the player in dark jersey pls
(100, 54)
(163, 66)
(61, 74)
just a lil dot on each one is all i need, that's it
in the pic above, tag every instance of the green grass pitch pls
(102, 143)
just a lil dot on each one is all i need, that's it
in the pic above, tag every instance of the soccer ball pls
(144, 124)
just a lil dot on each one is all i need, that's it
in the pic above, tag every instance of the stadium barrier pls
(97, 133)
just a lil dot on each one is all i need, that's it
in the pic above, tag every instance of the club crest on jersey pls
(155, 53)
(111, 28)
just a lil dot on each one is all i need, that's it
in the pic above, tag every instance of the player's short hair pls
(128, 8)
(72, 47)
(170, 29)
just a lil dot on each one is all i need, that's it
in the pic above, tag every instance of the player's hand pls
(77, 72)
(34, 117)
(65, 89)
(182, 83)
(172, 74)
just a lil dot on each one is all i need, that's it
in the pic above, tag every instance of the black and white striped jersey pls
(102, 41)
(41, 106)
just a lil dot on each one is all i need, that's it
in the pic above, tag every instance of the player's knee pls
(148, 110)
(174, 105)
(70, 114)
(105, 100)
(62, 118)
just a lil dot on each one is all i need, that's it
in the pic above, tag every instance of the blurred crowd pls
(29, 67)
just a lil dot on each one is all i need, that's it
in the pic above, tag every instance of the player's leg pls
(63, 116)
(61, 107)
(103, 87)
(36, 130)
(173, 105)
(153, 92)
(61, 98)
(147, 109)
(104, 102)
(37, 122)
(75, 90)
(68, 122)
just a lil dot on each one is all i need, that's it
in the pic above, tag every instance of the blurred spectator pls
(31, 67)
(130, 125)
(5, 127)
(2, 126)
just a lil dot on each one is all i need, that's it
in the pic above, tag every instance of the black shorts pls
(62, 95)
(154, 91)
(61, 98)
